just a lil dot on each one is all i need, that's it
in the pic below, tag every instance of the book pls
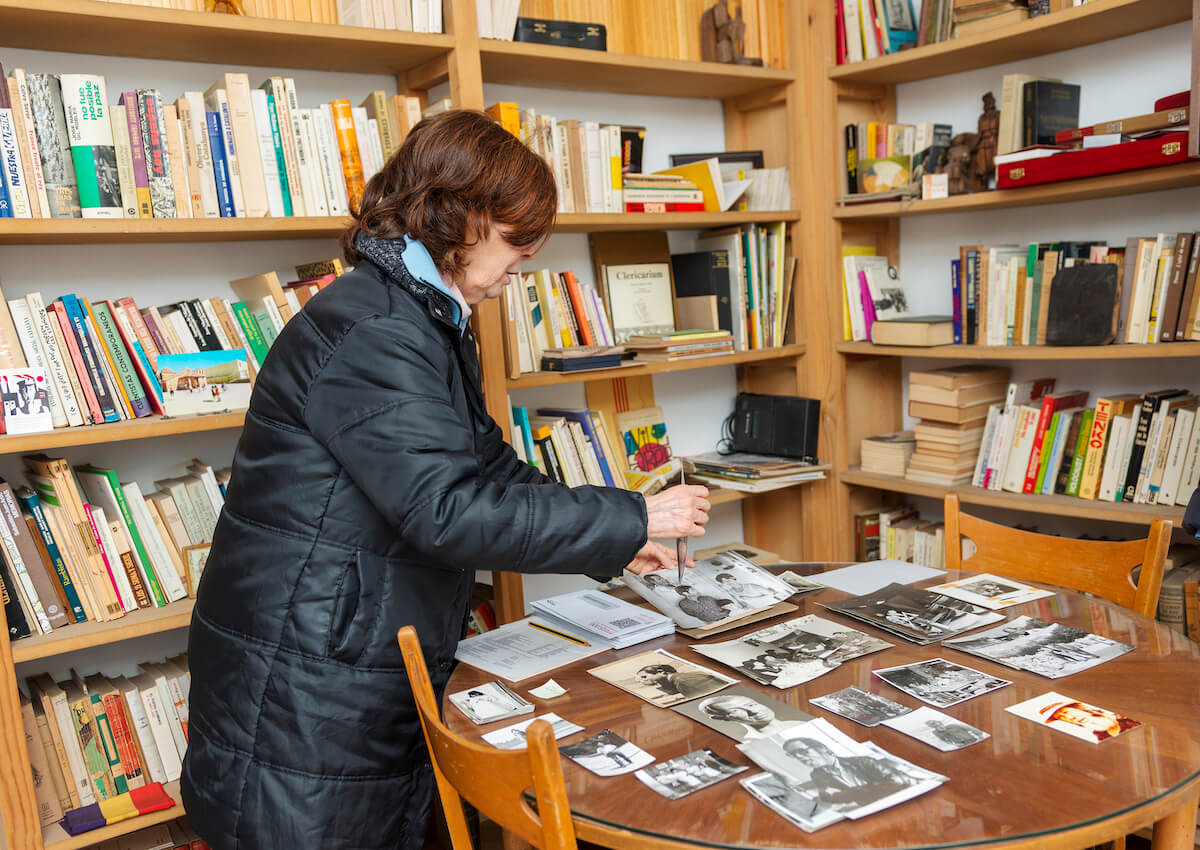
(50, 126)
(1048, 107)
(639, 299)
(49, 806)
(347, 147)
(242, 128)
(16, 185)
(913, 330)
(158, 158)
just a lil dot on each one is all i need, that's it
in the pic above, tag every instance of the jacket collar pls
(408, 262)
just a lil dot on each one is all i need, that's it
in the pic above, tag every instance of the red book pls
(1050, 403)
(114, 707)
(1174, 101)
(59, 313)
(581, 317)
(839, 30)
(663, 207)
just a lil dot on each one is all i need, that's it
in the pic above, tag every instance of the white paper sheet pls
(872, 575)
(518, 651)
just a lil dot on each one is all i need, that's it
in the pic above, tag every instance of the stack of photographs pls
(792, 653)
(915, 614)
(1048, 649)
(490, 701)
(822, 776)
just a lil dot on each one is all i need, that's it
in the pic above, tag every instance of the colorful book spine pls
(521, 415)
(956, 300)
(89, 131)
(122, 362)
(12, 170)
(154, 586)
(249, 326)
(94, 373)
(280, 158)
(158, 159)
(1082, 449)
(59, 313)
(104, 732)
(33, 505)
(347, 142)
(141, 178)
(220, 164)
(118, 721)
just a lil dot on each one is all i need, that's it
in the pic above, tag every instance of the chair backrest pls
(1100, 567)
(491, 780)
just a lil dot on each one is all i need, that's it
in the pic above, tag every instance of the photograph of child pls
(742, 712)
(607, 754)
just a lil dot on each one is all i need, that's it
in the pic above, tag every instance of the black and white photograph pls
(742, 712)
(940, 682)
(513, 737)
(723, 587)
(661, 678)
(991, 592)
(1048, 649)
(607, 754)
(793, 652)
(850, 777)
(489, 702)
(863, 707)
(915, 614)
(25, 397)
(803, 809)
(681, 776)
(799, 583)
(936, 729)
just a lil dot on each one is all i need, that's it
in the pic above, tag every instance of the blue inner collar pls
(421, 266)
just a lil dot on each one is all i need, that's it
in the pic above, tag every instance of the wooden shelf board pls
(620, 73)
(1107, 186)
(597, 222)
(54, 837)
(721, 496)
(1026, 352)
(114, 432)
(544, 379)
(116, 29)
(1099, 20)
(176, 615)
(1057, 505)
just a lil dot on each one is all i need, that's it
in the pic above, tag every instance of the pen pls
(681, 542)
(579, 641)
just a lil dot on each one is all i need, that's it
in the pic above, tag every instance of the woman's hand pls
(679, 511)
(654, 556)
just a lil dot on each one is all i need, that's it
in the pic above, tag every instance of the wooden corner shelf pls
(551, 379)
(115, 432)
(175, 615)
(1108, 186)
(600, 222)
(1097, 21)
(1058, 505)
(54, 837)
(621, 73)
(145, 32)
(1152, 351)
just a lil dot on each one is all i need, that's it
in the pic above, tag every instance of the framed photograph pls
(661, 678)
(194, 559)
(938, 730)
(940, 682)
(681, 776)
(607, 754)
(204, 382)
(1078, 719)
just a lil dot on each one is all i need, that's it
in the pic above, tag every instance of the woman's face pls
(488, 263)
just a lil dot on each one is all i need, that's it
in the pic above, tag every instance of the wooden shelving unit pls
(55, 837)
(1026, 352)
(115, 432)
(1057, 505)
(1099, 20)
(1108, 186)
(600, 222)
(550, 379)
(175, 615)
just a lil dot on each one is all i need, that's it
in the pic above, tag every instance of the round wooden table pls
(1025, 786)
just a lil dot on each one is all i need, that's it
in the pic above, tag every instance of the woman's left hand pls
(654, 556)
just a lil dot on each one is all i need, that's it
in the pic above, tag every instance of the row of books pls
(571, 446)
(172, 835)
(1006, 294)
(1179, 600)
(872, 291)
(880, 156)
(899, 534)
(92, 738)
(232, 151)
(79, 544)
(410, 15)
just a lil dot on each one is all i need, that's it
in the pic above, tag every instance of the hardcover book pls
(89, 130)
(1048, 108)
(639, 299)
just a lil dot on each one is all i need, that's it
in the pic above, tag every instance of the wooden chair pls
(1094, 566)
(491, 780)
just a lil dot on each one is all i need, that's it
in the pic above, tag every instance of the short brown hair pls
(457, 174)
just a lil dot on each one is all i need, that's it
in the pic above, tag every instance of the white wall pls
(1119, 78)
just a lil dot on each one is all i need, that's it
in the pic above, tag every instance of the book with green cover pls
(95, 762)
(103, 489)
(1081, 446)
(250, 328)
(1048, 443)
(103, 729)
(110, 338)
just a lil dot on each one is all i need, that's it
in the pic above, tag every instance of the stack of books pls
(973, 16)
(582, 358)
(661, 193)
(953, 406)
(680, 345)
(888, 454)
(750, 473)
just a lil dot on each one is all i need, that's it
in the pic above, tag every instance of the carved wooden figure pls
(958, 163)
(723, 36)
(984, 163)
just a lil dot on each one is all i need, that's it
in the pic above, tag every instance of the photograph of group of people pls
(940, 682)
(1048, 649)
(681, 776)
(723, 587)
(915, 614)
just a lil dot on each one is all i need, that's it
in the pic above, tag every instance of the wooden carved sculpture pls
(958, 163)
(984, 162)
(232, 7)
(723, 36)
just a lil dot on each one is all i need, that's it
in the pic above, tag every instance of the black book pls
(579, 364)
(550, 464)
(851, 158)
(562, 33)
(753, 158)
(633, 142)
(706, 273)
(972, 311)
(1150, 405)
(18, 626)
(1049, 107)
(202, 339)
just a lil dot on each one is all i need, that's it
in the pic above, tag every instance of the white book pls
(358, 114)
(1189, 478)
(331, 162)
(352, 13)
(156, 548)
(483, 18)
(1181, 438)
(605, 168)
(36, 179)
(613, 171)
(108, 548)
(1143, 290)
(215, 323)
(35, 611)
(985, 447)
(180, 156)
(593, 165)
(1166, 263)
(1150, 456)
(566, 198)
(55, 360)
(162, 687)
(376, 146)
(854, 41)
(160, 725)
(141, 728)
(125, 178)
(209, 203)
(70, 741)
(276, 90)
(404, 19)
(268, 304)
(1115, 447)
(216, 100)
(434, 12)
(266, 152)
(35, 357)
(209, 479)
(1026, 417)
(1126, 457)
(306, 156)
(385, 13)
(90, 135)
(99, 493)
(858, 321)
(12, 171)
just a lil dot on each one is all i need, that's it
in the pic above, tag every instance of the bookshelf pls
(762, 106)
(862, 383)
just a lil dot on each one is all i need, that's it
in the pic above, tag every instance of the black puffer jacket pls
(368, 486)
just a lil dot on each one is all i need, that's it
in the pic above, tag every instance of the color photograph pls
(863, 707)
(204, 382)
(741, 712)
(681, 776)
(1078, 719)
(607, 754)
(940, 682)
(661, 678)
(936, 729)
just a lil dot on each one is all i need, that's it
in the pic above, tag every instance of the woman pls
(368, 486)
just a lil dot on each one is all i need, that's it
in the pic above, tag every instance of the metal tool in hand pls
(681, 542)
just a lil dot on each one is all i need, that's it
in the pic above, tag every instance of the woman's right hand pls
(679, 511)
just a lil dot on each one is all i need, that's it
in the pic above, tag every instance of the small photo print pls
(204, 382)
(513, 737)
(936, 729)
(862, 707)
(661, 678)
(25, 395)
(799, 583)
(802, 808)
(1074, 717)
(940, 682)
(607, 754)
(742, 712)
(490, 701)
(991, 591)
(681, 776)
